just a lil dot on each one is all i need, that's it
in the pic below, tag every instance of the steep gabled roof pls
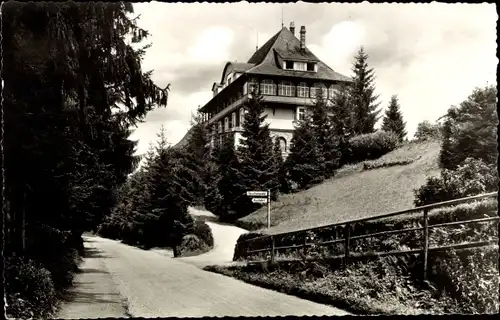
(287, 46)
(235, 67)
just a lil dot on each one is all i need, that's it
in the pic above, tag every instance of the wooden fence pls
(347, 237)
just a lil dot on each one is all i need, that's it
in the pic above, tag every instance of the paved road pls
(120, 280)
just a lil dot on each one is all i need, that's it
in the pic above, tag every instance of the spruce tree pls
(301, 164)
(255, 153)
(227, 190)
(393, 120)
(328, 158)
(198, 157)
(342, 118)
(168, 220)
(363, 95)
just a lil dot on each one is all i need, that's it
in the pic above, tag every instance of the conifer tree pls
(169, 197)
(301, 164)
(227, 191)
(255, 153)
(198, 158)
(363, 95)
(342, 118)
(328, 159)
(393, 120)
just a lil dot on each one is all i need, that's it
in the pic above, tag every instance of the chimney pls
(302, 37)
(292, 27)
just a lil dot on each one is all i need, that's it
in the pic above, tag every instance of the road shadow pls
(76, 296)
(91, 270)
(94, 253)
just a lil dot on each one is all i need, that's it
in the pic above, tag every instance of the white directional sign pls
(259, 200)
(257, 193)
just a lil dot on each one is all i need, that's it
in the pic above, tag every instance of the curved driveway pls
(120, 280)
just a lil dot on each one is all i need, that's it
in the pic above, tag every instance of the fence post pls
(347, 235)
(426, 241)
(272, 249)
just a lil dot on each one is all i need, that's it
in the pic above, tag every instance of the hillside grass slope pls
(357, 191)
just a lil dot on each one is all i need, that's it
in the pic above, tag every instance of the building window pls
(303, 90)
(331, 91)
(226, 123)
(301, 113)
(253, 85)
(282, 143)
(286, 88)
(233, 120)
(289, 65)
(268, 87)
(300, 66)
(242, 116)
(319, 88)
(220, 126)
(310, 67)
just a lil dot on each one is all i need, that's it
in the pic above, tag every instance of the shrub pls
(204, 233)
(241, 248)
(469, 276)
(373, 145)
(191, 244)
(30, 290)
(427, 131)
(470, 178)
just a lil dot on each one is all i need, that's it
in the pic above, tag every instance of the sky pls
(430, 55)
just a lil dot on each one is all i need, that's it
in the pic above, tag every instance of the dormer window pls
(289, 65)
(300, 66)
(311, 67)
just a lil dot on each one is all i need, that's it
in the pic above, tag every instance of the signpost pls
(259, 200)
(267, 200)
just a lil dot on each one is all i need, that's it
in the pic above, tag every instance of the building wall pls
(280, 117)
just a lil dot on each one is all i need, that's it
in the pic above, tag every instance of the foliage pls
(472, 177)
(342, 120)
(199, 158)
(204, 233)
(393, 119)
(302, 163)
(329, 154)
(191, 244)
(363, 95)
(427, 131)
(258, 168)
(470, 130)
(373, 145)
(30, 289)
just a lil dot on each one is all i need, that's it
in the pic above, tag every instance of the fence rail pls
(348, 238)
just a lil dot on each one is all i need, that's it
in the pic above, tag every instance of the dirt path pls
(225, 237)
(120, 280)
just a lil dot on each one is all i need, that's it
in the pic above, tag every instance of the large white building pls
(289, 76)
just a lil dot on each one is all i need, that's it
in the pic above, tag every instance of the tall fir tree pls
(328, 145)
(170, 197)
(393, 119)
(258, 170)
(228, 191)
(199, 157)
(343, 120)
(364, 98)
(301, 164)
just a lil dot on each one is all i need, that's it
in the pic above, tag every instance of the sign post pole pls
(268, 208)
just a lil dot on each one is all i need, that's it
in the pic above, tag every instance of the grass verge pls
(353, 193)
(360, 289)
